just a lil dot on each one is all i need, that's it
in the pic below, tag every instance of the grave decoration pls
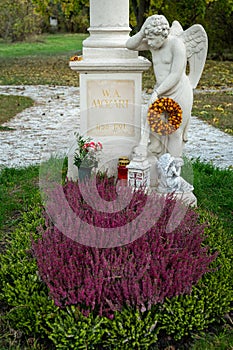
(167, 118)
(110, 72)
(122, 170)
(164, 116)
(86, 155)
(171, 181)
(76, 58)
(172, 48)
(139, 173)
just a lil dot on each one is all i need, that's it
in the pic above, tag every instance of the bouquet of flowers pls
(86, 154)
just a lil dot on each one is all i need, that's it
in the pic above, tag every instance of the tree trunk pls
(140, 8)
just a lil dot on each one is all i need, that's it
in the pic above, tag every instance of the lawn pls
(45, 61)
(215, 108)
(11, 105)
(45, 45)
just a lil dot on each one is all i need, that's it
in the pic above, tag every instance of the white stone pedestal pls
(110, 81)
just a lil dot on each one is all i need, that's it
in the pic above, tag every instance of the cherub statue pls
(169, 169)
(171, 48)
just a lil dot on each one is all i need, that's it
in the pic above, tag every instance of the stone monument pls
(110, 81)
(172, 49)
(110, 91)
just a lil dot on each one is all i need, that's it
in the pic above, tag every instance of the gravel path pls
(48, 128)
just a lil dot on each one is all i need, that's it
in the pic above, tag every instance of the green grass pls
(11, 105)
(46, 44)
(213, 188)
(18, 189)
(45, 61)
(222, 340)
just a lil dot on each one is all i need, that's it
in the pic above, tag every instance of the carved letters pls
(111, 99)
(111, 107)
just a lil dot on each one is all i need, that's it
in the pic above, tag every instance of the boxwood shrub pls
(31, 309)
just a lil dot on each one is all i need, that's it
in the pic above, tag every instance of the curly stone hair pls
(157, 25)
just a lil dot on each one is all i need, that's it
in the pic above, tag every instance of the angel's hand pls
(145, 24)
(153, 97)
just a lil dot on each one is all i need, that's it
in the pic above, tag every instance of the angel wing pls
(196, 42)
(176, 29)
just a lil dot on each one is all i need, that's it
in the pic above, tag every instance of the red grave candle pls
(122, 169)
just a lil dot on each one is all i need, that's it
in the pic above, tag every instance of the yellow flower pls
(219, 109)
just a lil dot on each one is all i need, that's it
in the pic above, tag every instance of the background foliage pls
(22, 18)
(19, 20)
(215, 15)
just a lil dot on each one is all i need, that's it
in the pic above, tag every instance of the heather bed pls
(128, 324)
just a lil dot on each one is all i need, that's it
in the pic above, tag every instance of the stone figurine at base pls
(171, 49)
(170, 180)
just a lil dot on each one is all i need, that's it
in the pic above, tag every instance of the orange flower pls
(76, 58)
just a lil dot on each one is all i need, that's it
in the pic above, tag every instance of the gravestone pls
(110, 82)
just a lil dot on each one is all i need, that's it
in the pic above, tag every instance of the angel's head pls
(157, 27)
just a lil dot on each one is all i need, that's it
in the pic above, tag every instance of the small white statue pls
(171, 49)
(169, 179)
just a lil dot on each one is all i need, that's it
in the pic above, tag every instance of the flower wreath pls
(172, 119)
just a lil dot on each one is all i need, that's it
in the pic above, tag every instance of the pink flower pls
(99, 146)
(87, 152)
(86, 145)
(92, 145)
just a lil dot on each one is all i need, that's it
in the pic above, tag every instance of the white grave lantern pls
(139, 173)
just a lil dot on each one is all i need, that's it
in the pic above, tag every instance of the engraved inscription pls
(110, 107)
(110, 99)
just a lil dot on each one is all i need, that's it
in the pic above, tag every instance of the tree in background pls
(218, 22)
(72, 15)
(18, 20)
(21, 18)
(75, 14)
(215, 15)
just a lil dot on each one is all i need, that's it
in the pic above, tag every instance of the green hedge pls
(31, 310)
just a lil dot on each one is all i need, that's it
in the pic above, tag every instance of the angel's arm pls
(138, 41)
